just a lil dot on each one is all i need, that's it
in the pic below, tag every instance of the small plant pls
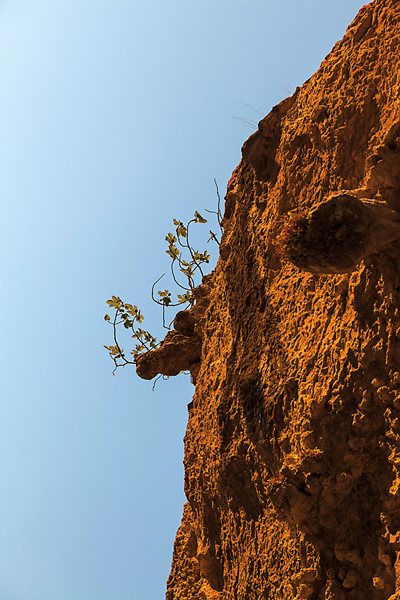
(186, 265)
(129, 316)
(187, 269)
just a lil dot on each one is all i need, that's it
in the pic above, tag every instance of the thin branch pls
(153, 286)
(121, 352)
(163, 377)
(175, 279)
(189, 247)
(213, 237)
(249, 106)
(247, 122)
(219, 213)
(115, 336)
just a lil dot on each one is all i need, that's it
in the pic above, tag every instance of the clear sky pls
(115, 116)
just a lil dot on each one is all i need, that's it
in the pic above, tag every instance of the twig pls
(164, 377)
(213, 237)
(189, 247)
(250, 124)
(219, 213)
(248, 105)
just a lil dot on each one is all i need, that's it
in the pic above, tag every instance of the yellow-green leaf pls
(131, 309)
(115, 302)
(199, 218)
(170, 238)
(181, 231)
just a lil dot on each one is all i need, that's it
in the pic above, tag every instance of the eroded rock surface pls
(338, 234)
(292, 451)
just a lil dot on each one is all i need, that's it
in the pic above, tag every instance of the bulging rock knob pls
(336, 235)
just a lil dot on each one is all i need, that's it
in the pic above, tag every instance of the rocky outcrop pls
(338, 234)
(180, 351)
(292, 451)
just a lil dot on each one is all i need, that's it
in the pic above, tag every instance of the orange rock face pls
(292, 451)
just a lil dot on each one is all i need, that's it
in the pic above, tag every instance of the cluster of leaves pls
(186, 268)
(129, 316)
(186, 265)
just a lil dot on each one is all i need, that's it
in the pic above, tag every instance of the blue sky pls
(114, 118)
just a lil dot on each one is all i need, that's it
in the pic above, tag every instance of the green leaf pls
(183, 298)
(113, 350)
(199, 218)
(188, 271)
(181, 231)
(173, 252)
(131, 309)
(115, 302)
(201, 256)
(165, 296)
(171, 239)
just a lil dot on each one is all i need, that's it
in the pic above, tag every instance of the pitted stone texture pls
(292, 451)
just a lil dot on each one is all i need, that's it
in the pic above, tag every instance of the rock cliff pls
(292, 451)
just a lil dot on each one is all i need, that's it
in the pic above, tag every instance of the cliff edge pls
(292, 451)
